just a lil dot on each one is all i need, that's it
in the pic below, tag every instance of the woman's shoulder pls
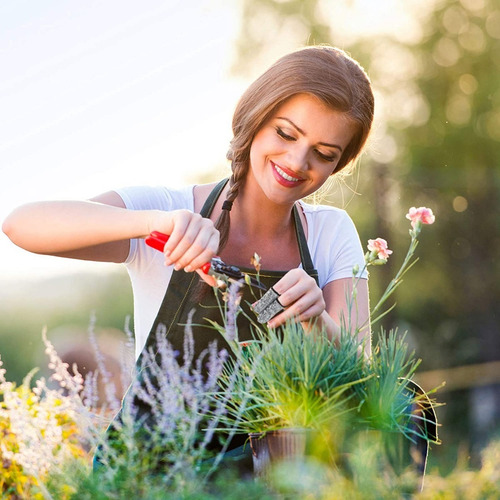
(333, 241)
(200, 193)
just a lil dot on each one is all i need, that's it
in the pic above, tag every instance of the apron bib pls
(180, 298)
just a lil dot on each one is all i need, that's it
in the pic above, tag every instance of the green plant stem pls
(397, 280)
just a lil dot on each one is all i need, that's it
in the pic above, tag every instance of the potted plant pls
(289, 388)
(289, 385)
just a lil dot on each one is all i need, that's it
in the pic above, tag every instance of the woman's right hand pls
(193, 239)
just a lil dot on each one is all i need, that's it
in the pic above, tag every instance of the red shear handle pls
(157, 241)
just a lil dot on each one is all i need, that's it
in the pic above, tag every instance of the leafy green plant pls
(289, 378)
(386, 401)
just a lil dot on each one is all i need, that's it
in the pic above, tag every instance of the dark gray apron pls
(182, 300)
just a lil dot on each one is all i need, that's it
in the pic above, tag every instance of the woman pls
(305, 119)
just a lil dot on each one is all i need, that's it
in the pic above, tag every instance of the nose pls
(298, 158)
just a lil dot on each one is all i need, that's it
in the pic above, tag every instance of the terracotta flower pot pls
(275, 446)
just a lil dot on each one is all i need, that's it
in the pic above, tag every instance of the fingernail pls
(188, 269)
(177, 267)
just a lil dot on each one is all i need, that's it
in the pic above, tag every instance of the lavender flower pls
(109, 387)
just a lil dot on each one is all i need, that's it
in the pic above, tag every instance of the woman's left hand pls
(300, 296)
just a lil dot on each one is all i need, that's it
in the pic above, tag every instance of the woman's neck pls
(259, 216)
(262, 227)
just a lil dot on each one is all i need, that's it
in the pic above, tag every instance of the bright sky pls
(96, 95)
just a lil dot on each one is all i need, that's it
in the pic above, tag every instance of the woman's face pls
(298, 148)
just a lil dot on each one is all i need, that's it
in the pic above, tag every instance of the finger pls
(301, 302)
(197, 247)
(199, 254)
(281, 319)
(305, 308)
(290, 279)
(188, 249)
(183, 236)
(210, 280)
(304, 286)
(180, 222)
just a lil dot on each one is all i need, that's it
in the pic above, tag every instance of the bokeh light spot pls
(467, 83)
(458, 110)
(460, 204)
(493, 24)
(446, 53)
(455, 20)
(474, 5)
(386, 149)
(473, 39)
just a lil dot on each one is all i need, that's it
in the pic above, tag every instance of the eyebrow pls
(303, 133)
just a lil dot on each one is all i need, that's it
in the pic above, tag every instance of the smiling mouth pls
(286, 176)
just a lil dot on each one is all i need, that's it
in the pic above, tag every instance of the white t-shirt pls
(332, 240)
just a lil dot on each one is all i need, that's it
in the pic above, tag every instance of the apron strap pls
(305, 256)
(210, 202)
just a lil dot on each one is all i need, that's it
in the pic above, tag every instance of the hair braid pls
(224, 220)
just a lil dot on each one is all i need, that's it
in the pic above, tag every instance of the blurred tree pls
(436, 144)
(270, 26)
(449, 139)
(446, 122)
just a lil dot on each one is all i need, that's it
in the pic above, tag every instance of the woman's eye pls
(284, 135)
(326, 157)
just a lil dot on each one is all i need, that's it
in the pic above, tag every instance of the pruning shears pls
(216, 267)
(266, 308)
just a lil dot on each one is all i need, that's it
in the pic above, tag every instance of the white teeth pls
(285, 176)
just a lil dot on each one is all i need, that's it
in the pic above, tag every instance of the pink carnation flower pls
(380, 246)
(421, 214)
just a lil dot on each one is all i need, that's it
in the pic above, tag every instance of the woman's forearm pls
(55, 227)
